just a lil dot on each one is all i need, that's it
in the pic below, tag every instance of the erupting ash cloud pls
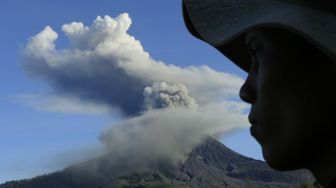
(168, 109)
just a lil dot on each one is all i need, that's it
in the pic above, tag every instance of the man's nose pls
(248, 90)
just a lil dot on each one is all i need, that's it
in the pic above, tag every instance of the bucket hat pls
(223, 23)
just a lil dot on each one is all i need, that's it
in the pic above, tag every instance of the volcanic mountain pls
(209, 165)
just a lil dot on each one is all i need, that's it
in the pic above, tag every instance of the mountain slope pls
(210, 164)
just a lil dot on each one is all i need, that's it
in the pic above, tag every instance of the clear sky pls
(33, 141)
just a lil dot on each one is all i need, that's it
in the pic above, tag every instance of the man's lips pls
(256, 129)
(253, 130)
(258, 133)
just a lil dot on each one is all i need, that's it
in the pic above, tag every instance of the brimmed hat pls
(222, 23)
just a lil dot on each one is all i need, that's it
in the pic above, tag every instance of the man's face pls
(290, 86)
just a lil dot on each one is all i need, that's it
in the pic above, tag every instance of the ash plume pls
(167, 109)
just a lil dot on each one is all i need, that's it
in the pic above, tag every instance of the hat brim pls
(223, 23)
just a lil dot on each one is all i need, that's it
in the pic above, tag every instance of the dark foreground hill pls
(209, 165)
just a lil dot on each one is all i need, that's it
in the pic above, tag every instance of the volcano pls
(209, 165)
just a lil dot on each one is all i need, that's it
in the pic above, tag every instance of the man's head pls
(288, 49)
(290, 87)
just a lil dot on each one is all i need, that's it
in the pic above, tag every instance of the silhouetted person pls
(288, 49)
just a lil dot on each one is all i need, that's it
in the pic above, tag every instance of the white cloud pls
(42, 45)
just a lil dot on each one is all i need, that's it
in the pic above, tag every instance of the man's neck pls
(324, 169)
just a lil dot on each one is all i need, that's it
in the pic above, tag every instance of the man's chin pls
(279, 161)
(279, 166)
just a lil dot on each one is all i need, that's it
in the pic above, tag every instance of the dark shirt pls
(332, 184)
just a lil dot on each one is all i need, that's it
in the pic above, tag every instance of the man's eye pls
(256, 50)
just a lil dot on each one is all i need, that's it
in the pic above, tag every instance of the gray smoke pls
(169, 109)
(162, 95)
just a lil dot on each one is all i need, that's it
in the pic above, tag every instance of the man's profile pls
(288, 49)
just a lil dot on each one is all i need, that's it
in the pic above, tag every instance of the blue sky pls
(34, 142)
